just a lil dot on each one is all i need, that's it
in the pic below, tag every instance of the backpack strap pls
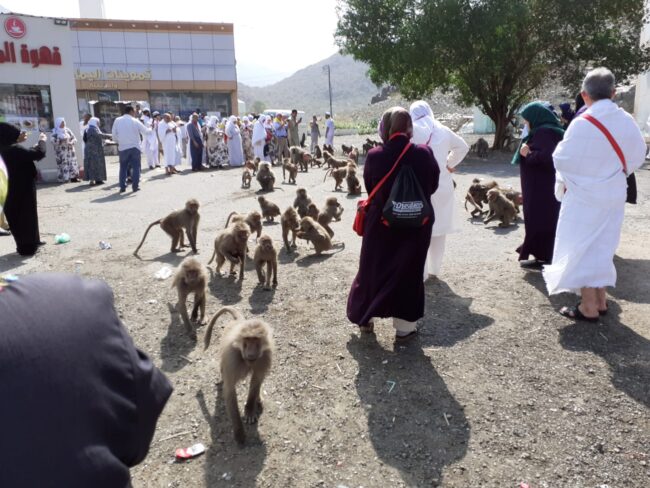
(383, 180)
(610, 138)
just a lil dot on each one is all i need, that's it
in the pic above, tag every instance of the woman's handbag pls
(362, 206)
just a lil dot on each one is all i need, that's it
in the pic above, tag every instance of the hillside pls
(307, 89)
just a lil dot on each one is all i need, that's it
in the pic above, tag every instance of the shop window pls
(184, 104)
(28, 107)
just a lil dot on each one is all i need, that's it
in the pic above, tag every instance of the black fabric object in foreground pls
(631, 189)
(79, 401)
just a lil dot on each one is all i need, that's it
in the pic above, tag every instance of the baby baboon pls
(332, 211)
(256, 162)
(252, 166)
(292, 169)
(311, 230)
(231, 244)
(269, 210)
(339, 175)
(290, 223)
(480, 148)
(246, 178)
(515, 197)
(265, 252)
(265, 176)
(312, 211)
(253, 219)
(354, 186)
(246, 348)
(477, 195)
(302, 201)
(174, 223)
(500, 208)
(333, 162)
(300, 157)
(190, 278)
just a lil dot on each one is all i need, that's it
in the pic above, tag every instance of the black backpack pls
(407, 206)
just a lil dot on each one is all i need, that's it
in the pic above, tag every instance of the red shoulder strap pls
(383, 180)
(610, 138)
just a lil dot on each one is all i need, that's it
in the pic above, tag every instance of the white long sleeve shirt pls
(127, 131)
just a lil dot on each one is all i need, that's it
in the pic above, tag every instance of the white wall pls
(43, 32)
(642, 97)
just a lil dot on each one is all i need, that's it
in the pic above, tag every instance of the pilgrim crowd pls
(574, 169)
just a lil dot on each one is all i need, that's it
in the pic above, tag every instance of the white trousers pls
(258, 152)
(434, 256)
(401, 326)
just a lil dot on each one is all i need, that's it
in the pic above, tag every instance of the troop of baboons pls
(246, 346)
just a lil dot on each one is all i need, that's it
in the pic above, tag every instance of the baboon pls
(246, 178)
(302, 201)
(367, 146)
(173, 225)
(252, 166)
(480, 148)
(332, 211)
(300, 157)
(265, 176)
(477, 195)
(354, 186)
(292, 169)
(246, 348)
(253, 219)
(333, 162)
(269, 210)
(500, 208)
(231, 244)
(317, 152)
(312, 231)
(302, 140)
(339, 175)
(190, 278)
(329, 148)
(312, 211)
(354, 155)
(515, 197)
(265, 252)
(346, 149)
(256, 163)
(290, 223)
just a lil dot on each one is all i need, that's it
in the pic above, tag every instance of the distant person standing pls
(182, 138)
(196, 142)
(150, 143)
(246, 138)
(94, 160)
(281, 134)
(235, 148)
(126, 132)
(329, 129)
(259, 138)
(168, 135)
(83, 125)
(294, 128)
(66, 156)
(315, 133)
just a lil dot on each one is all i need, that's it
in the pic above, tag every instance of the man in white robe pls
(591, 217)
(150, 143)
(259, 138)
(168, 135)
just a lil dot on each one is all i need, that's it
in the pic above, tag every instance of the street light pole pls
(329, 84)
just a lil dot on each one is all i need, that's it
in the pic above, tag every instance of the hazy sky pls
(273, 38)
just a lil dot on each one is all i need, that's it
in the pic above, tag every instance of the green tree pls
(494, 53)
(258, 107)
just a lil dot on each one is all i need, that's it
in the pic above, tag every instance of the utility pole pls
(329, 84)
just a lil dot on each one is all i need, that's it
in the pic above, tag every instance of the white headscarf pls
(94, 122)
(424, 123)
(212, 122)
(231, 126)
(259, 131)
(61, 133)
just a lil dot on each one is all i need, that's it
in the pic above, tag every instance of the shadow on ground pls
(447, 317)
(638, 290)
(626, 352)
(409, 404)
(225, 463)
(175, 344)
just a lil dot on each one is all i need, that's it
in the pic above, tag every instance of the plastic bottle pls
(61, 238)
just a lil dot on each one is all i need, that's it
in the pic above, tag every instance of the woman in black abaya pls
(20, 207)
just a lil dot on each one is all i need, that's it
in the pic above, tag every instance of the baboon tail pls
(236, 314)
(229, 217)
(329, 171)
(157, 222)
(214, 254)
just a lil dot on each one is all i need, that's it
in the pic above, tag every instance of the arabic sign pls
(36, 57)
(118, 75)
(15, 27)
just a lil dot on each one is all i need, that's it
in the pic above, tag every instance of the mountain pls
(307, 88)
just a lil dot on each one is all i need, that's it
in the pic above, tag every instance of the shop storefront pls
(169, 66)
(37, 79)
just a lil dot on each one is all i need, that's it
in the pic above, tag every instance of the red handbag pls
(362, 206)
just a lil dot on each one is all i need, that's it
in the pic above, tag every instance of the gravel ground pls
(498, 389)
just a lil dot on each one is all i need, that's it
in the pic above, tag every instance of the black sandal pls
(575, 314)
(407, 337)
(367, 329)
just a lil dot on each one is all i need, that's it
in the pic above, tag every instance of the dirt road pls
(498, 390)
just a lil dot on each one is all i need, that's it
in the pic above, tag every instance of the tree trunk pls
(501, 121)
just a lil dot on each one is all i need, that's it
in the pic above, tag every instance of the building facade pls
(37, 79)
(177, 67)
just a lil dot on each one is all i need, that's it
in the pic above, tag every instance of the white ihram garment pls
(591, 217)
(150, 143)
(259, 138)
(169, 143)
(449, 149)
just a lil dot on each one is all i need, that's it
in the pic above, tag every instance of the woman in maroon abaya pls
(389, 281)
(541, 209)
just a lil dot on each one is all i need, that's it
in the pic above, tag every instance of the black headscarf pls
(8, 134)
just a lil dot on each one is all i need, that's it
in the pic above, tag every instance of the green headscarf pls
(538, 117)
